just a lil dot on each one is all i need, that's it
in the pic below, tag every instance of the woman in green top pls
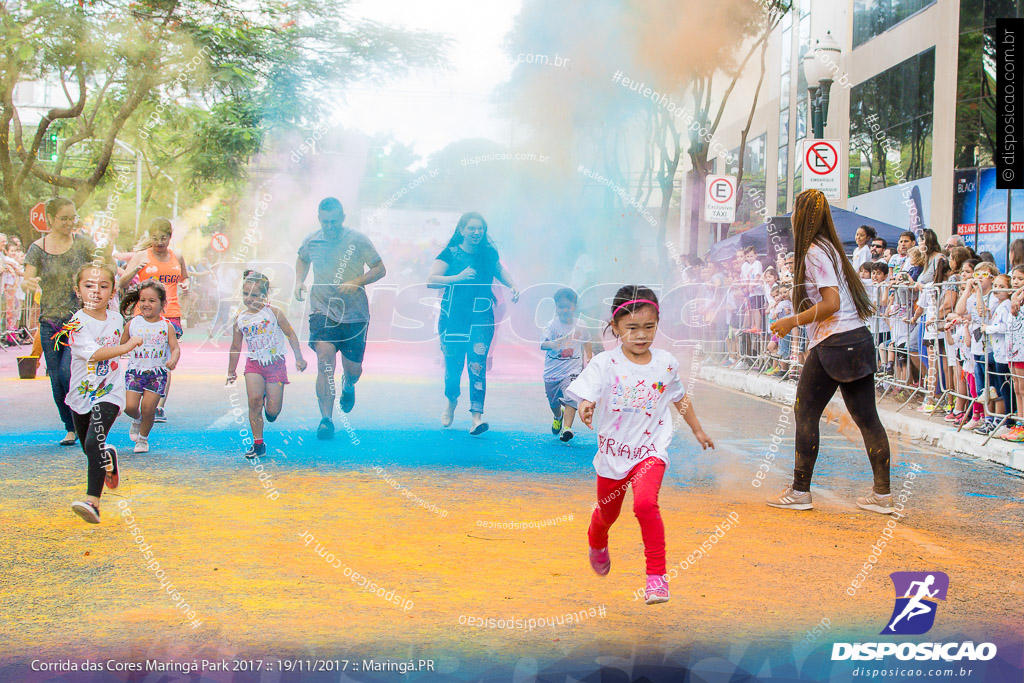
(50, 266)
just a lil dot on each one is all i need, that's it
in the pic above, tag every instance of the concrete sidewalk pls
(906, 422)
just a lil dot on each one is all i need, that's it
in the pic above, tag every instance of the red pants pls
(646, 479)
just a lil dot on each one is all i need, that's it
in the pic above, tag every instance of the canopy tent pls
(769, 241)
(773, 237)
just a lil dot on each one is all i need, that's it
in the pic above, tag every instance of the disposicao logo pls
(917, 594)
(915, 608)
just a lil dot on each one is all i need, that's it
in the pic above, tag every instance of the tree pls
(670, 52)
(233, 70)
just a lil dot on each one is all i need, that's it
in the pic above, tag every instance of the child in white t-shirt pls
(266, 330)
(97, 391)
(631, 387)
(567, 347)
(149, 364)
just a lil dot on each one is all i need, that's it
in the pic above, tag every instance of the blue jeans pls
(467, 350)
(58, 365)
(998, 377)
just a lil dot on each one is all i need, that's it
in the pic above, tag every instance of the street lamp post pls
(819, 65)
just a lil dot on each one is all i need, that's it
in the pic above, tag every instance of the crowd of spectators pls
(948, 324)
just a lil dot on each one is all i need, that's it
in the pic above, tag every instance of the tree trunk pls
(697, 179)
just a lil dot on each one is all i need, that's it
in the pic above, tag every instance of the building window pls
(874, 17)
(781, 203)
(801, 118)
(803, 46)
(976, 81)
(891, 125)
(753, 183)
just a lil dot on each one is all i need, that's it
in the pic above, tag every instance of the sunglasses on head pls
(982, 274)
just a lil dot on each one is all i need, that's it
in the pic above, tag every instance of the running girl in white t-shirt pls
(631, 387)
(97, 379)
(148, 365)
(831, 300)
(264, 328)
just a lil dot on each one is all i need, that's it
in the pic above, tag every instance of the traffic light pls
(48, 149)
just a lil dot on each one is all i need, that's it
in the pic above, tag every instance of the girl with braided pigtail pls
(831, 301)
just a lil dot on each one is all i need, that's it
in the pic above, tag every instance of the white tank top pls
(155, 351)
(263, 336)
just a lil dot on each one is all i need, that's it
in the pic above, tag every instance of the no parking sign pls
(720, 199)
(822, 168)
(219, 241)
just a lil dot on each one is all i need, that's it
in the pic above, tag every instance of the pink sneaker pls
(600, 560)
(657, 589)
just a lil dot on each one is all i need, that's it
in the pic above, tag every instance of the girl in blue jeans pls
(465, 268)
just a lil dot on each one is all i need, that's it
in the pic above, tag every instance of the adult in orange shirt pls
(159, 263)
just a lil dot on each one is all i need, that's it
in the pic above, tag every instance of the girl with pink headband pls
(631, 387)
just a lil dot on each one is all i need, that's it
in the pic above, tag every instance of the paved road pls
(418, 510)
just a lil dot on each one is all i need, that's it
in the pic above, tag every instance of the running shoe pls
(600, 561)
(927, 408)
(256, 450)
(325, 432)
(771, 371)
(141, 445)
(566, 436)
(479, 429)
(876, 503)
(950, 407)
(986, 428)
(1016, 435)
(112, 478)
(160, 415)
(135, 430)
(348, 396)
(86, 511)
(556, 424)
(743, 365)
(974, 423)
(447, 415)
(954, 417)
(791, 499)
(656, 591)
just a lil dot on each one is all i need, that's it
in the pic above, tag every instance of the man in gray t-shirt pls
(344, 262)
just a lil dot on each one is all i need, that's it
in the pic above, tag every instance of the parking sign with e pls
(720, 199)
(822, 167)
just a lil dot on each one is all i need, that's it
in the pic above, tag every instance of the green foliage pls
(197, 86)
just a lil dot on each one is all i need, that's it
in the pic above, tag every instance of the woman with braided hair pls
(831, 301)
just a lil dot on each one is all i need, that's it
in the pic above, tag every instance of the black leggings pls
(92, 429)
(813, 393)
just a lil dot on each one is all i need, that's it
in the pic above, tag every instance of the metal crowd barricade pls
(989, 384)
(22, 329)
(895, 319)
(894, 309)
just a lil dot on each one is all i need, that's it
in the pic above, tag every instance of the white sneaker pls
(141, 445)
(791, 499)
(136, 428)
(876, 502)
(973, 424)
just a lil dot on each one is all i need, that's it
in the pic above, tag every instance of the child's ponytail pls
(131, 298)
